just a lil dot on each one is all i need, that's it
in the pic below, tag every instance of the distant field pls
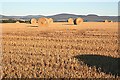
(61, 50)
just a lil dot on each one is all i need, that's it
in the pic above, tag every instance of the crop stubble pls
(49, 52)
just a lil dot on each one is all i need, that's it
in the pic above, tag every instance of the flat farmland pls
(61, 50)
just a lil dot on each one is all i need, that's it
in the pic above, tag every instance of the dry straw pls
(106, 21)
(111, 21)
(78, 21)
(17, 22)
(33, 21)
(50, 20)
(43, 22)
(70, 21)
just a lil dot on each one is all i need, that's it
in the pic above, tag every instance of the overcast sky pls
(103, 8)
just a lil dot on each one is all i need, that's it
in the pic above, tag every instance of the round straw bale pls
(33, 21)
(106, 21)
(78, 21)
(43, 22)
(70, 21)
(17, 22)
(111, 21)
(50, 20)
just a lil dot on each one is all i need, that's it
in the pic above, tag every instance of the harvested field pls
(88, 50)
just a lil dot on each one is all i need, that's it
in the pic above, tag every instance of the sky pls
(102, 8)
(59, 0)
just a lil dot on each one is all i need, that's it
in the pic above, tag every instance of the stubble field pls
(88, 50)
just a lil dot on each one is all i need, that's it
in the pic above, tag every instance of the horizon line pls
(58, 14)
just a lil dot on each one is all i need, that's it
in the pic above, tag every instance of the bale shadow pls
(32, 26)
(107, 64)
(68, 24)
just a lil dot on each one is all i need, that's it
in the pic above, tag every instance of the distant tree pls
(8, 21)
